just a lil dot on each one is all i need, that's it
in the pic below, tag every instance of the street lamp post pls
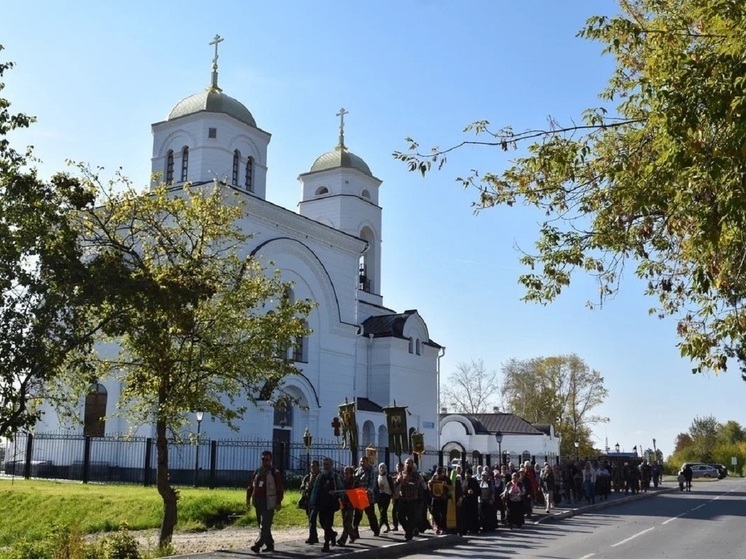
(655, 451)
(616, 446)
(307, 440)
(577, 451)
(200, 416)
(499, 439)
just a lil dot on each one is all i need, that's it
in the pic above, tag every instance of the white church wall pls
(211, 158)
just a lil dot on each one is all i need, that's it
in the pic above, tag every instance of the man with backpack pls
(265, 491)
(325, 500)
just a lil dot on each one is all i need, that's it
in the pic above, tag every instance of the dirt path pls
(227, 538)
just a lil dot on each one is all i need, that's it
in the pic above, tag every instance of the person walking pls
(656, 474)
(325, 500)
(265, 492)
(348, 511)
(513, 495)
(688, 475)
(366, 478)
(440, 487)
(385, 494)
(412, 489)
(487, 509)
(470, 504)
(589, 483)
(306, 485)
(546, 478)
(395, 496)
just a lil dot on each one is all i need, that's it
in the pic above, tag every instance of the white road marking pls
(695, 508)
(588, 556)
(632, 537)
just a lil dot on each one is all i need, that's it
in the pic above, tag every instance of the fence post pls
(148, 456)
(213, 462)
(440, 458)
(86, 459)
(387, 459)
(489, 460)
(29, 451)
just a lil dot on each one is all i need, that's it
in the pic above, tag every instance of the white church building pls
(331, 250)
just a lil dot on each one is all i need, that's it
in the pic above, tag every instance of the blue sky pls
(97, 74)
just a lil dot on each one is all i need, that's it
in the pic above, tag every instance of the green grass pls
(31, 508)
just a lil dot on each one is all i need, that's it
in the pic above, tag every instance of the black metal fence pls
(209, 463)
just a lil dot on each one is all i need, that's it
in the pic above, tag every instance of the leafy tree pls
(704, 433)
(561, 390)
(201, 325)
(44, 284)
(653, 177)
(683, 440)
(731, 432)
(471, 388)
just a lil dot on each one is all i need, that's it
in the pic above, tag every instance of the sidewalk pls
(393, 544)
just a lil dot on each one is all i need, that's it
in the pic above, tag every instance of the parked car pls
(704, 470)
(722, 470)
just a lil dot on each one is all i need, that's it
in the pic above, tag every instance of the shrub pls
(121, 545)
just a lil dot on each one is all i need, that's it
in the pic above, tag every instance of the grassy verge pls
(31, 508)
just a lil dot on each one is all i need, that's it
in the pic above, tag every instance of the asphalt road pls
(707, 523)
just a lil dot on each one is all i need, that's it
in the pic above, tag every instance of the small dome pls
(340, 157)
(212, 101)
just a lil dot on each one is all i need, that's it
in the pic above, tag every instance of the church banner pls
(349, 425)
(396, 421)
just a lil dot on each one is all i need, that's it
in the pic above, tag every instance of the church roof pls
(386, 325)
(212, 100)
(490, 423)
(340, 157)
(364, 404)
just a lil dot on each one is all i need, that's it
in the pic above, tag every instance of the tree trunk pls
(167, 493)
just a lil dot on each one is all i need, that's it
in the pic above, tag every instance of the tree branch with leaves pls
(652, 178)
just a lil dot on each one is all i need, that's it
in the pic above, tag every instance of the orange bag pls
(358, 498)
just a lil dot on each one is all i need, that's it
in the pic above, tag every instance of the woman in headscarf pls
(513, 495)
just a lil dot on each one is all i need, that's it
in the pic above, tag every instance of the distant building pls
(475, 435)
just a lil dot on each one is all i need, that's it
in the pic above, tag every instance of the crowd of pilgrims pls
(412, 502)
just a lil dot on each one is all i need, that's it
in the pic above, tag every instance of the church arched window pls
(320, 191)
(249, 178)
(170, 167)
(411, 345)
(184, 163)
(95, 410)
(366, 194)
(236, 163)
(300, 349)
(418, 347)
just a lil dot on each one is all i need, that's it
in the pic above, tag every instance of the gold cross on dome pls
(341, 114)
(216, 41)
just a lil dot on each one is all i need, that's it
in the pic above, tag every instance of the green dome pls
(340, 158)
(212, 101)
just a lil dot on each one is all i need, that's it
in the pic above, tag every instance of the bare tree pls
(470, 389)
